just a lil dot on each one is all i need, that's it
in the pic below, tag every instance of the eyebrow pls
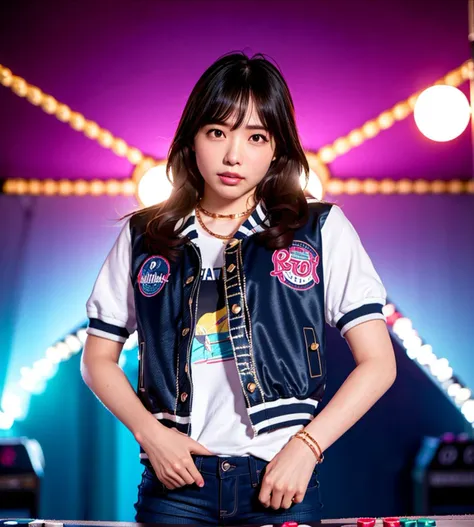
(248, 127)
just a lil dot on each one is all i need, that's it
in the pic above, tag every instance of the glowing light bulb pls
(402, 327)
(463, 395)
(6, 421)
(388, 310)
(442, 113)
(315, 187)
(468, 410)
(453, 389)
(154, 186)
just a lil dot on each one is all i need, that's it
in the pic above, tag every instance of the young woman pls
(229, 283)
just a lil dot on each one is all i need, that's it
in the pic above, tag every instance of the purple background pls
(130, 66)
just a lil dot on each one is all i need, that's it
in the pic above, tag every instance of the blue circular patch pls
(153, 275)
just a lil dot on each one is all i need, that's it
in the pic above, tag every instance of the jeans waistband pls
(228, 467)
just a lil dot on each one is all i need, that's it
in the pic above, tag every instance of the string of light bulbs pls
(325, 155)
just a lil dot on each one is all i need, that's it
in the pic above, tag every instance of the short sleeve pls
(110, 307)
(353, 290)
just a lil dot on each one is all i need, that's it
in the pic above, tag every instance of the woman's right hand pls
(169, 452)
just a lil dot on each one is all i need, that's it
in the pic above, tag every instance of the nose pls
(233, 155)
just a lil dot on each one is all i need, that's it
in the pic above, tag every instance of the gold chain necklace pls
(220, 236)
(215, 215)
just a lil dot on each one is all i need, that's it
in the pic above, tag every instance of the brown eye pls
(264, 139)
(217, 131)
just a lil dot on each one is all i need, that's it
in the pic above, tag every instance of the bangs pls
(234, 102)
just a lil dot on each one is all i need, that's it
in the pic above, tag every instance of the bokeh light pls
(442, 113)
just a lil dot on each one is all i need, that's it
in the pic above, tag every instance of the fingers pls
(277, 497)
(265, 495)
(183, 473)
(287, 499)
(195, 475)
(200, 450)
(173, 481)
(298, 497)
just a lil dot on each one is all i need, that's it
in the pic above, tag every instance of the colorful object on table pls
(408, 522)
(391, 522)
(366, 522)
(426, 522)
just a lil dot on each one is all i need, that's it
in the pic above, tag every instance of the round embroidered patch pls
(296, 266)
(153, 275)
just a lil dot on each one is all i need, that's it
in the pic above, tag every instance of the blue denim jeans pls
(229, 496)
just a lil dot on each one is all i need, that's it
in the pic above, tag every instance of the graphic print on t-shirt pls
(211, 341)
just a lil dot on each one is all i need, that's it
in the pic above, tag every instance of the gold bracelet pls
(302, 433)
(308, 442)
(311, 438)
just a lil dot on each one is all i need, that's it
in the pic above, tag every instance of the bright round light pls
(426, 357)
(402, 327)
(439, 366)
(154, 186)
(412, 353)
(453, 390)
(33, 385)
(412, 341)
(445, 375)
(54, 355)
(44, 368)
(463, 395)
(413, 346)
(6, 421)
(82, 335)
(468, 410)
(388, 310)
(442, 113)
(74, 343)
(315, 187)
(63, 351)
(13, 404)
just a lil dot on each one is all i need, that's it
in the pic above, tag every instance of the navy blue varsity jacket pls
(276, 305)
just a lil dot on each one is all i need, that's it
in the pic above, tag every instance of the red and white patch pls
(297, 266)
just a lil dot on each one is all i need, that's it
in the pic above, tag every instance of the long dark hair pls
(224, 88)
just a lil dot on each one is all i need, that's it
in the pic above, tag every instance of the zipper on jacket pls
(196, 289)
(141, 356)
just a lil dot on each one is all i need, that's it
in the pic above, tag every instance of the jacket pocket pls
(141, 357)
(312, 352)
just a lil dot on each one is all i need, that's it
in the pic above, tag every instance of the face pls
(246, 153)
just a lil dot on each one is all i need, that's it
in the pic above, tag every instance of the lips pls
(231, 175)
(230, 179)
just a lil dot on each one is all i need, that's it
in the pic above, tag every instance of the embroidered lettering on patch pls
(296, 266)
(153, 275)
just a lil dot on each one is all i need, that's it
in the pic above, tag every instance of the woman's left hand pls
(287, 475)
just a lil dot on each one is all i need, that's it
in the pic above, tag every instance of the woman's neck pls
(219, 205)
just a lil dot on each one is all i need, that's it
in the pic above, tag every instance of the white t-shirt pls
(219, 418)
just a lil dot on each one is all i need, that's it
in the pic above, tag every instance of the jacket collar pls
(254, 223)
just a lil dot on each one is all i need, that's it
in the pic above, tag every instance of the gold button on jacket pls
(236, 309)
(251, 387)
